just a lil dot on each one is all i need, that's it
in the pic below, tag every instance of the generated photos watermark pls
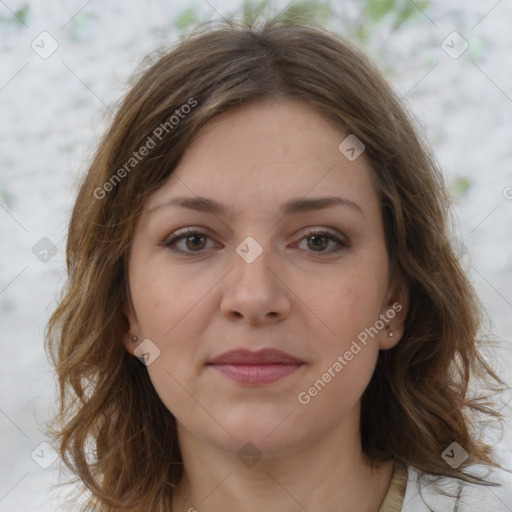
(304, 397)
(145, 149)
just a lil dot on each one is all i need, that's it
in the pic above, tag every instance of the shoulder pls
(452, 495)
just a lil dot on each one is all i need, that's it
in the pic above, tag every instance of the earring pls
(134, 338)
(391, 333)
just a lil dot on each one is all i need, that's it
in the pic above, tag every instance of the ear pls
(394, 312)
(132, 337)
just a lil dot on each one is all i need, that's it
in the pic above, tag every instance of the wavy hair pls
(111, 428)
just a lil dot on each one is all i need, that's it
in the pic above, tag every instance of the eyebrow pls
(292, 206)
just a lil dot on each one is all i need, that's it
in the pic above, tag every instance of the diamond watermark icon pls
(44, 45)
(351, 147)
(44, 455)
(147, 352)
(44, 250)
(455, 455)
(249, 249)
(454, 45)
(249, 455)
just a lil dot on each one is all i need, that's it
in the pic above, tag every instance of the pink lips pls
(263, 367)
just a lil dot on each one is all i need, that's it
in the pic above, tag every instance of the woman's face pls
(263, 261)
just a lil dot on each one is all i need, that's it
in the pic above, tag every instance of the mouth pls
(256, 368)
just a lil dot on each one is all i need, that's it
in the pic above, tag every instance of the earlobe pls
(130, 342)
(389, 338)
(396, 312)
(132, 333)
(130, 337)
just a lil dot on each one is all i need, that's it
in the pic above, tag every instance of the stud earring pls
(134, 338)
(391, 333)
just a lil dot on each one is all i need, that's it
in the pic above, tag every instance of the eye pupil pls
(316, 238)
(195, 237)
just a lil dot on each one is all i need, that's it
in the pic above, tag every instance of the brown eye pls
(319, 241)
(195, 242)
(188, 243)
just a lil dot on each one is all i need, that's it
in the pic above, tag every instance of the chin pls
(270, 429)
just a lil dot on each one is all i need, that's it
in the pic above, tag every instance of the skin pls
(308, 297)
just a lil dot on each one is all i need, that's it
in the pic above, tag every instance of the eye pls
(192, 241)
(189, 242)
(318, 240)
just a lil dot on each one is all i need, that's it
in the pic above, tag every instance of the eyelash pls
(172, 242)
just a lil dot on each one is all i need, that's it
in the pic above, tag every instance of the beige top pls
(395, 496)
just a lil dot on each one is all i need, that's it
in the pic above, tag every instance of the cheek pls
(347, 353)
(351, 300)
(165, 296)
(173, 306)
(349, 306)
(337, 389)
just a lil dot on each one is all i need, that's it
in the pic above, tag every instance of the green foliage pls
(186, 19)
(299, 11)
(307, 10)
(476, 48)
(251, 10)
(22, 14)
(394, 13)
(19, 17)
(400, 11)
(461, 185)
(80, 25)
(5, 196)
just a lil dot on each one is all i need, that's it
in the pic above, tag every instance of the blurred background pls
(64, 64)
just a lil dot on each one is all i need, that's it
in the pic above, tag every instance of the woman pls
(263, 308)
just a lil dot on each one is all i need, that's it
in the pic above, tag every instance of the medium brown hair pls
(112, 429)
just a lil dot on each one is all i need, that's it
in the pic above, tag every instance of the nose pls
(256, 292)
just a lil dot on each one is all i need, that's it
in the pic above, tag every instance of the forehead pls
(265, 152)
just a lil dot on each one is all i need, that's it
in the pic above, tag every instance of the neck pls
(331, 474)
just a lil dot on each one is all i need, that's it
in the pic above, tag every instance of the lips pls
(256, 368)
(246, 357)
